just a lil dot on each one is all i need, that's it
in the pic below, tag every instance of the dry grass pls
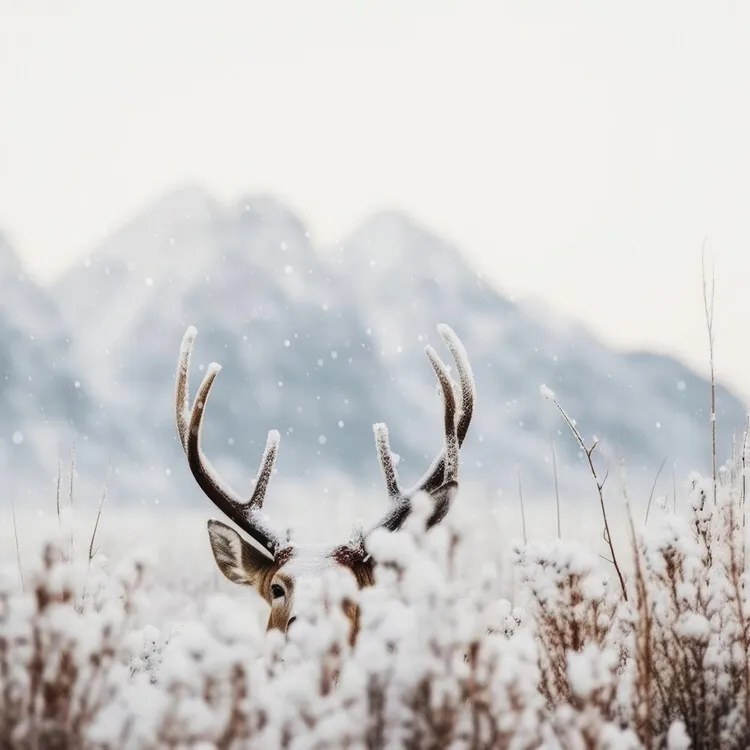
(438, 664)
(655, 656)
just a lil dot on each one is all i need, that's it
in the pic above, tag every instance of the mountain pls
(265, 306)
(44, 406)
(320, 343)
(643, 407)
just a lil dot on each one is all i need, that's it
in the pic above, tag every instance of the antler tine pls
(267, 463)
(189, 425)
(447, 465)
(465, 377)
(382, 443)
(450, 456)
(436, 474)
(182, 409)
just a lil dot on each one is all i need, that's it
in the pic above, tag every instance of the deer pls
(268, 561)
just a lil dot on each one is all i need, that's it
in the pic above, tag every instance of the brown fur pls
(243, 563)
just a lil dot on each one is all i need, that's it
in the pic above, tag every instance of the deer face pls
(281, 572)
(285, 581)
(243, 563)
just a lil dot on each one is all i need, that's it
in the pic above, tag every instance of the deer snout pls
(291, 620)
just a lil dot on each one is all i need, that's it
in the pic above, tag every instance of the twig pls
(709, 299)
(599, 486)
(653, 489)
(743, 461)
(18, 547)
(72, 474)
(557, 485)
(92, 551)
(70, 497)
(643, 642)
(523, 514)
(736, 570)
(57, 494)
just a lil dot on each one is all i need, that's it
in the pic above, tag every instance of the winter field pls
(278, 209)
(524, 619)
(129, 637)
(289, 205)
(584, 591)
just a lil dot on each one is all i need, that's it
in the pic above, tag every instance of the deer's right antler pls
(441, 479)
(245, 513)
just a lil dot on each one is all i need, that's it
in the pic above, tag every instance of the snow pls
(182, 647)
(677, 737)
(550, 650)
(547, 393)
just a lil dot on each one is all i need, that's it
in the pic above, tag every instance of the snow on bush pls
(442, 659)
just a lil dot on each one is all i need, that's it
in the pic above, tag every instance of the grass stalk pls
(57, 493)
(523, 513)
(709, 304)
(92, 551)
(589, 452)
(18, 546)
(653, 489)
(557, 485)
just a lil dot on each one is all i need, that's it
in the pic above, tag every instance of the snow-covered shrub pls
(691, 655)
(442, 658)
(62, 657)
(577, 618)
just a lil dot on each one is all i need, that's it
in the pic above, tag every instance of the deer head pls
(267, 561)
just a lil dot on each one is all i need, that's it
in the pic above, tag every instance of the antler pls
(441, 480)
(245, 513)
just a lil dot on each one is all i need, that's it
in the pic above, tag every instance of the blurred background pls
(315, 186)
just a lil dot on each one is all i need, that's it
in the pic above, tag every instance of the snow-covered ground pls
(519, 622)
(470, 638)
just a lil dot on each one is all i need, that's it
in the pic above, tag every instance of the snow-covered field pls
(303, 208)
(470, 638)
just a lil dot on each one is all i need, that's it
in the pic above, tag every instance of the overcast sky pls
(579, 152)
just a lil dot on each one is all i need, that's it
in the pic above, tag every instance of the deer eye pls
(277, 591)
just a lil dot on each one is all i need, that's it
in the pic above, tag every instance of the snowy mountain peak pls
(390, 240)
(259, 209)
(187, 203)
(268, 233)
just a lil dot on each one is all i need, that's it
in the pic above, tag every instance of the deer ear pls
(237, 559)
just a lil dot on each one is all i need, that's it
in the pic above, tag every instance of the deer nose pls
(290, 621)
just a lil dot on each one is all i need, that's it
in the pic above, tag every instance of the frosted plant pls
(442, 658)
